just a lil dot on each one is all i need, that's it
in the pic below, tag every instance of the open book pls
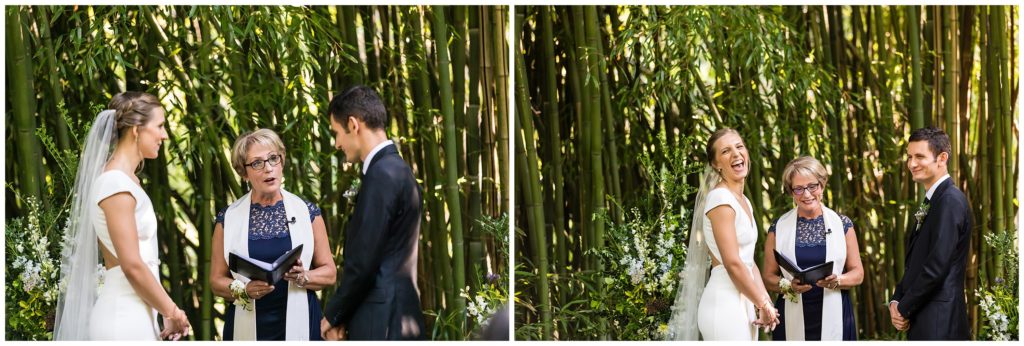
(255, 269)
(806, 276)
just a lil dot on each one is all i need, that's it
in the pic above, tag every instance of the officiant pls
(811, 234)
(264, 224)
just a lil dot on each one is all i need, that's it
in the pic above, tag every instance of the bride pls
(734, 302)
(111, 208)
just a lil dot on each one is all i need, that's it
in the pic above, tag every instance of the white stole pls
(835, 251)
(236, 238)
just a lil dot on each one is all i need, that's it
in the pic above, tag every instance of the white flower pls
(101, 273)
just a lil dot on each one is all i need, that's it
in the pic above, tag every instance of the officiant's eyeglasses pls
(809, 188)
(273, 160)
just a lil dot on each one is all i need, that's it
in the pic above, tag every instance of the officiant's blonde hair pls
(806, 166)
(265, 137)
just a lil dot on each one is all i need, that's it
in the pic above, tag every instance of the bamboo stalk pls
(996, 113)
(472, 127)
(23, 105)
(499, 48)
(950, 72)
(555, 141)
(598, 208)
(527, 161)
(451, 168)
(56, 91)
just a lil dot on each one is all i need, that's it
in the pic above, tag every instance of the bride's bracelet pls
(242, 298)
(766, 302)
(173, 314)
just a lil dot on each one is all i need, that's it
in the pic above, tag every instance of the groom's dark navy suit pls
(377, 298)
(931, 293)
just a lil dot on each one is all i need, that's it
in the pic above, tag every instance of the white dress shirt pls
(369, 158)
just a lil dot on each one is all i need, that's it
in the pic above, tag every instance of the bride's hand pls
(767, 316)
(257, 289)
(176, 326)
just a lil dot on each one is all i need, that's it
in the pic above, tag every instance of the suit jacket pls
(377, 298)
(931, 293)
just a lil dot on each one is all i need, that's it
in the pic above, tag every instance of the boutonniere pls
(353, 190)
(922, 211)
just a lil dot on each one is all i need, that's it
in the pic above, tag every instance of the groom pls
(929, 301)
(377, 298)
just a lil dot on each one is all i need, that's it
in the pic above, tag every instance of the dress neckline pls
(269, 206)
(137, 184)
(750, 217)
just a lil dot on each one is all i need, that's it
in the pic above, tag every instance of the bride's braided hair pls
(133, 108)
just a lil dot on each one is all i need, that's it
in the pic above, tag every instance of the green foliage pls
(831, 82)
(34, 245)
(1000, 301)
(483, 303)
(33, 272)
(220, 71)
(646, 252)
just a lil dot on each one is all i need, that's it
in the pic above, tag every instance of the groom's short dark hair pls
(361, 102)
(937, 139)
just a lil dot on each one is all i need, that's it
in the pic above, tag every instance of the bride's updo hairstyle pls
(710, 149)
(132, 108)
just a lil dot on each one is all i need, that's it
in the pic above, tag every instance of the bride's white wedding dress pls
(119, 312)
(724, 313)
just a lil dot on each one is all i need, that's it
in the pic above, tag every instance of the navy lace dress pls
(810, 251)
(268, 240)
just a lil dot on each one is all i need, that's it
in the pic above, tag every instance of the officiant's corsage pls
(353, 190)
(922, 211)
(786, 287)
(242, 299)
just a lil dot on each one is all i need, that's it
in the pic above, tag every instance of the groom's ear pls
(943, 158)
(353, 124)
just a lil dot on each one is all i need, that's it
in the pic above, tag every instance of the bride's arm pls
(758, 280)
(119, 211)
(322, 271)
(723, 226)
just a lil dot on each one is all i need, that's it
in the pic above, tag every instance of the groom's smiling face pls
(924, 165)
(346, 140)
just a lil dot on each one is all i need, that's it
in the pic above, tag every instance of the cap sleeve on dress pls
(717, 197)
(112, 182)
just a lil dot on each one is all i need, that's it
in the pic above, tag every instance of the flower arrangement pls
(33, 276)
(999, 301)
(645, 252)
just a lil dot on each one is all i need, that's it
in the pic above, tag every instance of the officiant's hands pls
(831, 282)
(257, 289)
(176, 325)
(297, 275)
(331, 333)
(799, 286)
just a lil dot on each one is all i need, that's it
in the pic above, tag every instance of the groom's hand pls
(331, 333)
(324, 328)
(898, 321)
